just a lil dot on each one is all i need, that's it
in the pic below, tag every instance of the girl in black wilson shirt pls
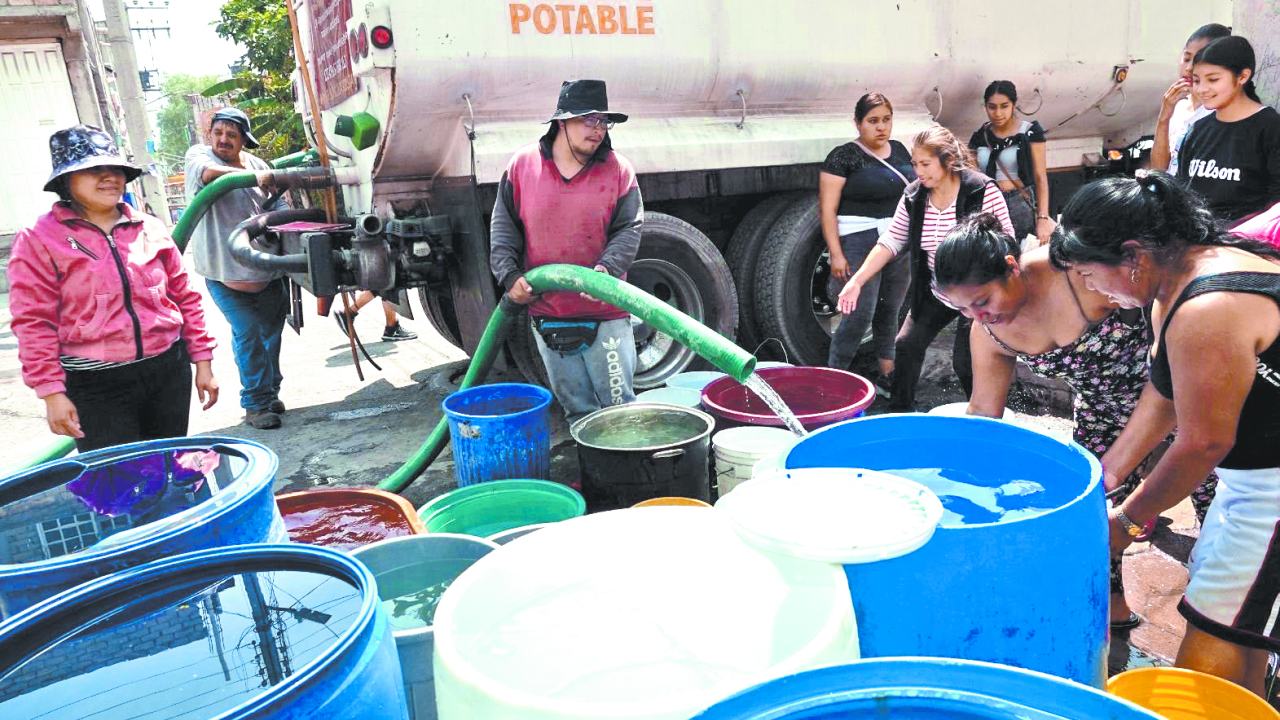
(1231, 157)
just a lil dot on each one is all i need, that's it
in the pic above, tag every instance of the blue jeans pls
(878, 304)
(257, 321)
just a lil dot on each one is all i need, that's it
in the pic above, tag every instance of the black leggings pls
(927, 318)
(146, 400)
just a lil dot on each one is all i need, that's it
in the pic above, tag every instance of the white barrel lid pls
(835, 515)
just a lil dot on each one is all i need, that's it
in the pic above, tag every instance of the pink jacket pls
(71, 292)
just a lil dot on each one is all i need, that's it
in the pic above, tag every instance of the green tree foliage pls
(262, 28)
(175, 122)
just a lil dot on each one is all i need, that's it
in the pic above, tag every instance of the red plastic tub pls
(347, 518)
(818, 396)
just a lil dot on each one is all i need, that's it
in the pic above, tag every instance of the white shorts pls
(1235, 565)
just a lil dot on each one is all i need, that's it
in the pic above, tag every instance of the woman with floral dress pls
(1025, 309)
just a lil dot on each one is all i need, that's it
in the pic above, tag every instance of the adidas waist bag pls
(568, 337)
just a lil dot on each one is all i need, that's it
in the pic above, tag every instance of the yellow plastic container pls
(1180, 694)
(667, 501)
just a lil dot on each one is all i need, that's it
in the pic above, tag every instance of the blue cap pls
(238, 117)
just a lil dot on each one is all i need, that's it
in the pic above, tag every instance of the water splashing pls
(757, 384)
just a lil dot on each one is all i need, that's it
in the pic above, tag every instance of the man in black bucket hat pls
(253, 301)
(569, 198)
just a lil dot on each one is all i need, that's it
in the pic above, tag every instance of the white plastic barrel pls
(639, 613)
(738, 450)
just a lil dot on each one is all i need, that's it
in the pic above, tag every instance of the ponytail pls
(1164, 217)
(974, 253)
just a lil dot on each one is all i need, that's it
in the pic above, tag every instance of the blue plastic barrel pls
(922, 689)
(1027, 589)
(499, 432)
(284, 632)
(407, 568)
(71, 520)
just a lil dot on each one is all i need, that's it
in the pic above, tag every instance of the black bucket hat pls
(237, 116)
(84, 146)
(584, 97)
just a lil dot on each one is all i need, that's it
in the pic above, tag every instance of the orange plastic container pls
(347, 518)
(663, 501)
(1180, 694)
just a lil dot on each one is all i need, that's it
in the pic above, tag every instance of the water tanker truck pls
(733, 106)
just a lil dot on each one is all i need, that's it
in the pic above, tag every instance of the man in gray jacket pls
(569, 198)
(254, 302)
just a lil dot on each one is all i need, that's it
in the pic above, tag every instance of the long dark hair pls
(1210, 32)
(974, 252)
(1165, 218)
(1235, 54)
(870, 102)
(1002, 87)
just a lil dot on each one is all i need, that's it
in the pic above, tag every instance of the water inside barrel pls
(968, 500)
(190, 654)
(108, 503)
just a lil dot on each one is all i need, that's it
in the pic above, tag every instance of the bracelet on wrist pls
(1043, 217)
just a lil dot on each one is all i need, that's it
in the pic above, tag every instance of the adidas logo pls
(612, 343)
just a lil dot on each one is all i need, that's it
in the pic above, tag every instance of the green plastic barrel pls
(492, 507)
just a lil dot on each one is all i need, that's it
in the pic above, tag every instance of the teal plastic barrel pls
(922, 689)
(413, 573)
(1017, 572)
(500, 431)
(494, 507)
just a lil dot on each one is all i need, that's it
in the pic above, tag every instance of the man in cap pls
(254, 302)
(569, 198)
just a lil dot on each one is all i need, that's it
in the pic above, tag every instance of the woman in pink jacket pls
(106, 319)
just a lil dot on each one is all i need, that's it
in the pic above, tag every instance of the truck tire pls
(677, 264)
(681, 266)
(791, 301)
(438, 304)
(742, 254)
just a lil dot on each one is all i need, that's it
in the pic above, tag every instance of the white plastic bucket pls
(739, 449)
(651, 613)
(687, 397)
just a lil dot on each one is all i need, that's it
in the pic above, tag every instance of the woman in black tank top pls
(1215, 311)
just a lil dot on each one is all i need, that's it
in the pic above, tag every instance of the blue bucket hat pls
(84, 146)
(237, 116)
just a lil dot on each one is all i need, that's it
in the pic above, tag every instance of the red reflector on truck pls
(363, 40)
(352, 47)
(380, 37)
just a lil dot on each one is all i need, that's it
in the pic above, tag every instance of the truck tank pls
(732, 105)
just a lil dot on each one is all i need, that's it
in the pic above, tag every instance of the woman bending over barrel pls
(1215, 314)
(1025, 309)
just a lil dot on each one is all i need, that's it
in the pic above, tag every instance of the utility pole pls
(125, 64)
(262, 623)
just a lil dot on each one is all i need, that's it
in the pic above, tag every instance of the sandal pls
(1129, 623)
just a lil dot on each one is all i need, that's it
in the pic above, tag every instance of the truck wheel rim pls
(824, 307)
(658, 356)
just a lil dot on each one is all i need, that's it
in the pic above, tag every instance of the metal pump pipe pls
(246, 254)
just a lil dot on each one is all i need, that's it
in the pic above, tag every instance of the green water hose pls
(717, 349)
(194, 213)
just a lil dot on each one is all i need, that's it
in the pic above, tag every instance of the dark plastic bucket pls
(500, 431)
(922, 689)
(284, 632)
(818, 396)
(71, 520)
(1027, 586)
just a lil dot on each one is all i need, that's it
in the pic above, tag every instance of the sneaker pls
(883, 383)
(396, 333)
(276, 407)
(262, 420)
(343, 319)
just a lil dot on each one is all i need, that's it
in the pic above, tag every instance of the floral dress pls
(1107, 370)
